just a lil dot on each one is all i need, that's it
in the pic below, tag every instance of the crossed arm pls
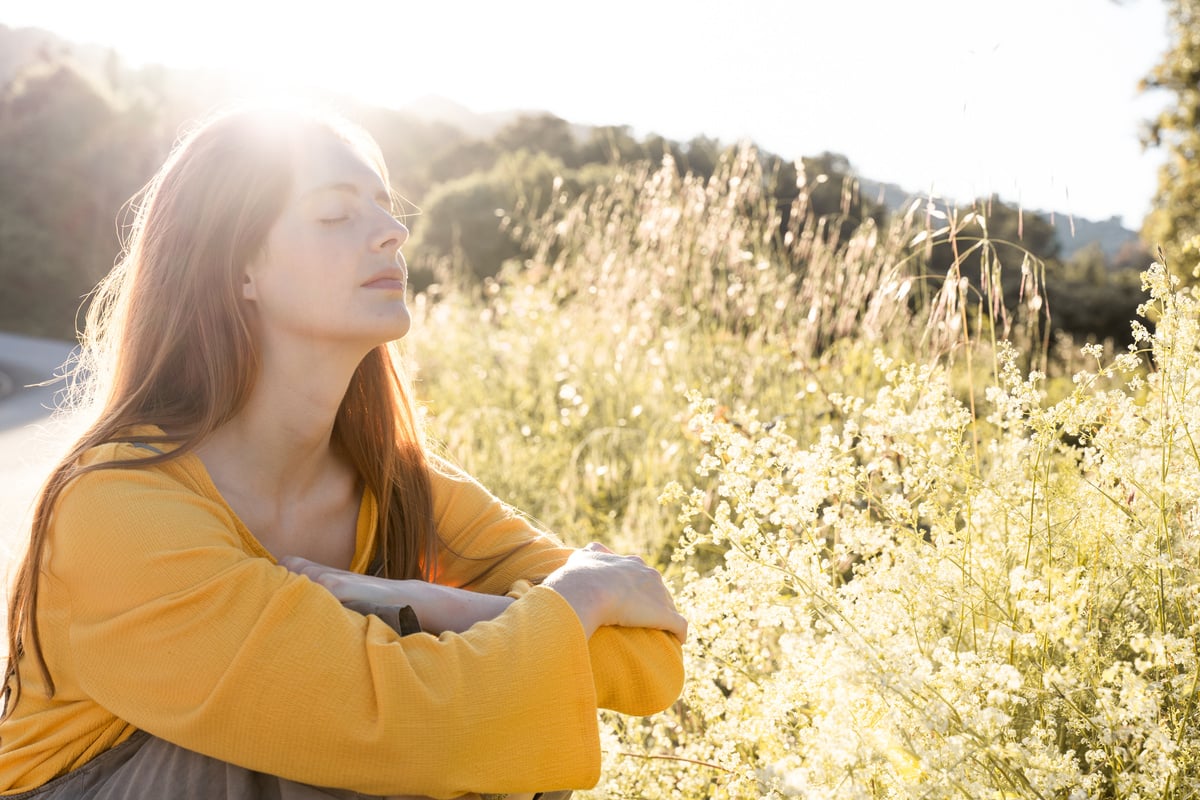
(603, 588)
(245, 661)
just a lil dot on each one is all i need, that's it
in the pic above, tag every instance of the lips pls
(392, 279)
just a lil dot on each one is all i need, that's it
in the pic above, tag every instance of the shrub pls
(915, 602)
(913, 566)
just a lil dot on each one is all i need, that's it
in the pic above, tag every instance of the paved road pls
(29, 441)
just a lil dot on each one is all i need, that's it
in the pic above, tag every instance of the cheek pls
(294, 259)
(307, 265)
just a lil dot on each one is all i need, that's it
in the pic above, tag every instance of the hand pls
(440, 609)
(347, 586)
(607, 589)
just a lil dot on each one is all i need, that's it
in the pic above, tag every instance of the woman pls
(189, 609)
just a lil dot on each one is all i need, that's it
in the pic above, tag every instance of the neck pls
(281, 442)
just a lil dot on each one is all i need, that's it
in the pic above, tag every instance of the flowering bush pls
(915, 602)
(561, 389)
(912, 566)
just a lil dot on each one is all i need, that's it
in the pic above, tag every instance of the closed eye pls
(333, 220)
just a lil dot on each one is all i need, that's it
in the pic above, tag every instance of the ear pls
(249, 290)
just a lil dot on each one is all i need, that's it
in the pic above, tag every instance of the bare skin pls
(609, 589)
(440, 609)
(602, 587)
(328, 288)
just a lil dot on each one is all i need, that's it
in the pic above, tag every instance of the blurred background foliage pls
(80, 133)
(575, 282)
(1174, 223)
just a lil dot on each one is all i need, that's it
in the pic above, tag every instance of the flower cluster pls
(907, 575)
(919, 601)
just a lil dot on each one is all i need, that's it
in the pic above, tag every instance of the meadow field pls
(926, 550)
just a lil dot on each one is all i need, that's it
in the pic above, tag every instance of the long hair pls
(168, 342)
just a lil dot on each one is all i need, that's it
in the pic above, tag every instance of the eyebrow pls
(382, 196)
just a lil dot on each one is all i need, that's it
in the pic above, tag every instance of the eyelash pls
(398, 216)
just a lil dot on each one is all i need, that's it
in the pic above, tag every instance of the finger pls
(680, 629)
(597, 547)
(310, 569)
(298, 564)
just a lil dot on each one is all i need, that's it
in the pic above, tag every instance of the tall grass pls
(563, 389)
(914, 566)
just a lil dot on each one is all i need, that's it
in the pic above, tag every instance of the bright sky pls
(1035, 100)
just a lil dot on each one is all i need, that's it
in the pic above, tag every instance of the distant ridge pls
(1073, 233)
(1110, 234)
(435, 108)
(22, 47)
(481, 125)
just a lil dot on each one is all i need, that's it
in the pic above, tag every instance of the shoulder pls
(115, 504)
(133, 466)
(133, 444)
(459, 498)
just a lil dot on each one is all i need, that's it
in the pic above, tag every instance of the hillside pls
(1072, 233)
(1076, 233)
(22, 47)
(75, 115)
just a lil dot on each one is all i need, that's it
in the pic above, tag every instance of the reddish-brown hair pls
(168, 342)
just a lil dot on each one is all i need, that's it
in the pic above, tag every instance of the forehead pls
(323, 159)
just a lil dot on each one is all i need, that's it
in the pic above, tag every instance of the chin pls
(400, 325)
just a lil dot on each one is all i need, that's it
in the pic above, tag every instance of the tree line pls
(77, 143)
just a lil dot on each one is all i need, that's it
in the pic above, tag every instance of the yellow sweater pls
(160, 611)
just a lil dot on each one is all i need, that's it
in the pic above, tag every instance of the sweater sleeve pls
(180, 632)
(489, 548)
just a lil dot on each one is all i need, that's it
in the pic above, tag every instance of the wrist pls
(582, 600)
(456, 610)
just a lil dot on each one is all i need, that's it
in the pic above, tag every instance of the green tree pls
(1096, 311)
(461, 159)
(658, 147)
(1133, 256)
(1088, 264)
(831, 186)
(610, 144)
(467, 219)
(701, 155)
(1174, 223)
(408, 144)
(1091, 298)
(539, 133)
(70, 156)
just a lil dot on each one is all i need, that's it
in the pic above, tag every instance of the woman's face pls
(332, 269)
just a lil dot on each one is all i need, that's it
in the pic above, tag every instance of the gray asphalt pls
(29, 439)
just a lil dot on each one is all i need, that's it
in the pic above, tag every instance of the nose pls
(392, 234)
